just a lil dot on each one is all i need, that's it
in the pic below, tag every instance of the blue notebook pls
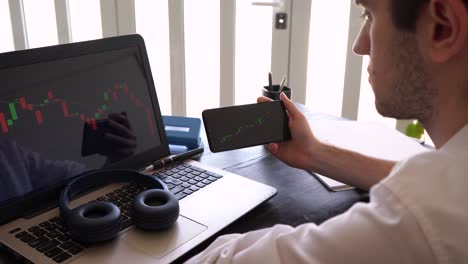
(183, 133)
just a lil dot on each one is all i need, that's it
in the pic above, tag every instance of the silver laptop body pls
(40, 237)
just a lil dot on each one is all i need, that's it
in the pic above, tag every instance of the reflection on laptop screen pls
(61, 118)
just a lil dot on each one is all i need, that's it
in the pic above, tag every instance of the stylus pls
(270, 82)
(283, 83)
(175, 158)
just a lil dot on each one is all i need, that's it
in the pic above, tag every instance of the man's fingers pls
(290, 106)
(273, 148)
(120, 129)
(263, 99)
(120, 118)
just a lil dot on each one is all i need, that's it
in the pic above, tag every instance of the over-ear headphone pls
(99, 221)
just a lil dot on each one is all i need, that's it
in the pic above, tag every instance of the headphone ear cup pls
(94, 222)
(155, 209)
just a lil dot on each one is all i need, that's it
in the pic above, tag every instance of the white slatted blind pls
(6, 33)
(41, 23)
(202, 55)
(152, 23)
(209, 53)
(327, 55)
(85, 17)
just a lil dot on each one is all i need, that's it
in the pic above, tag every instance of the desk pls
(301, 198)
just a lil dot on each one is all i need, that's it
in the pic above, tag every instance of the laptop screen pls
(62, 117)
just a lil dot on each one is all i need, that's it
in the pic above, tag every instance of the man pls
(417, 212)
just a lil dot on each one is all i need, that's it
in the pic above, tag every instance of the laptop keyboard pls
(53, 239)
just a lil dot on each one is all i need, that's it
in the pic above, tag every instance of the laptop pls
(55, 103)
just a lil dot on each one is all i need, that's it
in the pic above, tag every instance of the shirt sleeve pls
(382, 231)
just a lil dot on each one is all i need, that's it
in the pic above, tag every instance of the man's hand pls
(298, 151)
(305, 151)
(119, 137)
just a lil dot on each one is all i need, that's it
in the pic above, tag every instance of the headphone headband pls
(104, 177)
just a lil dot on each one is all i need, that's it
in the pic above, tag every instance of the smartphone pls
(93, 138)
(235, 127)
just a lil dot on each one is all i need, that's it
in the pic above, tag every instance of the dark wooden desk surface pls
(301, 197)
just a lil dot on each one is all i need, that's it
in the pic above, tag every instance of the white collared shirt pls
(417, 214)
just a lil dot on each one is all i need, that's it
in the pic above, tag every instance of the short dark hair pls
(405, 13)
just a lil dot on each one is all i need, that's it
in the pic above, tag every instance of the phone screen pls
(93, 138)
(243, 126)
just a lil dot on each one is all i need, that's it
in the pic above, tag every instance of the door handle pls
(268, 3)
(281, 18)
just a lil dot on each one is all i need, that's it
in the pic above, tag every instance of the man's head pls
(415, 46)
(405, 13)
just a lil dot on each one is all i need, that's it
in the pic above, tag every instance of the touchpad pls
(159, 243)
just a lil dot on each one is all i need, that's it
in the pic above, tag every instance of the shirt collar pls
(458, 142)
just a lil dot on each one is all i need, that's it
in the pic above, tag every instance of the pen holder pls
(275, 92)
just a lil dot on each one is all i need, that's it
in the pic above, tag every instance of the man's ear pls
(448, 28)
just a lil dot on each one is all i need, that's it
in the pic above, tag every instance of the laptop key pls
(111, 194)
(67, 245)
(40, 232)
(62, 257)
(180, 196)
(161, 176)
(126, 200)
(200, 185)
(188, 191)
(214, 174)
(53, 252)
(51, 227)
(212, 179)
(47, 246)
(170, 185)
(205, 181)
(64, 238)
(203, 175)
(27, 238)
(44, 224)
(194, 188)
(21, 234)
(122, 195)
(176, 175)
(38, 241)
(192, 181)
(172, 181)
(15, 230)
(55, 219)
(176, 189)
(190, 176)
(53, 234)
(196, 173)
(75, 250)
(198, 169)
(184, 179)
(199, 179)
(34, 229)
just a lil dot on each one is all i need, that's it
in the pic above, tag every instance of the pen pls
(174, 158)
(270, 81)
(283, 83)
